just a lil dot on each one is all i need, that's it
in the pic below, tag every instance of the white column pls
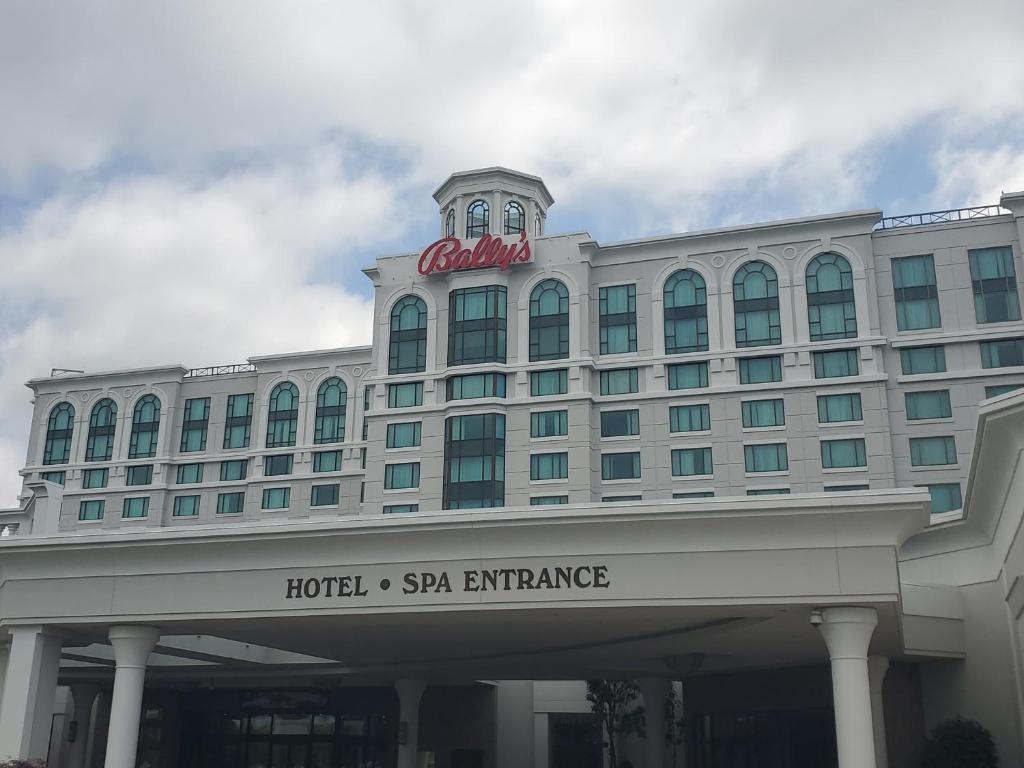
(30, 687)
(83, 695)
(513, 707)
(878, 666)
(655, 691)
(498, 215)
(409, 694)
(132, 646)
(5, 649)
(847, 632)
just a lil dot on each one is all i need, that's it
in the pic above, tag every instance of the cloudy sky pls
(198, 182)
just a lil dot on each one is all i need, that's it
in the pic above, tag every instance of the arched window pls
(331, 400)
(478, 219)
(102, 423)
(686, 313)
(515, 218)
(549, 321)
(59, 429)
(831, 313)
(407, 350)
(537, 226)
(755, 295)
(145, 428)
(282, 415)
(449, 224)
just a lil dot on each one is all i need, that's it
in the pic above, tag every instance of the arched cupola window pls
(686, 313)
(831, 311)
(449, 224)
(282, 415)
(59, 429)
(537, 226)
(145, 428)
(102, 424)
(549, 321)
(515, 218)
(478, 219)
(407, 348)
(331, 403)
(755, 295)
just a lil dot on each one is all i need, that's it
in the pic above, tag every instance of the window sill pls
(324, 506)
(403, 449)
(688, 478)
(829, 424)
(142, 519)
(933, 467)
(939, 420)
(770, 473)
(842, 470)
(773, 428)
(622, 481)
(609, 438)
(549, 438)
(694, 433)
(401, 490)
(549, 481)
(90, 522)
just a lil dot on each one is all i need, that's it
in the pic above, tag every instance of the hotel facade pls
(773, 473)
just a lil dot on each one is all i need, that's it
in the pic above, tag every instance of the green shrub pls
(960, 743)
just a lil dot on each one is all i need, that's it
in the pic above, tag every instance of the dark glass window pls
(620, 466)
(843, 454)
(474, 385)
(398, 476)
(91, 509)
(617, 309)
(549, 423)
(621, 381)
(95, 478)
(693, 495)
(478, 219)
(631, 497)
(932, 451)
(687, 375)
(236, 469)
(1001, 389)
(102, 424)
(325, 495)
(230, 503)
(135, 506)
(767, 491)
(449, 224)
(1002, 353)
(366, 410)
(620, 423)
(946, 497)
(474, 461)
(755, 295)
(915, 293)
(915, 360)
(549, 382)
(145, 428)
(766, 458)
(405, 395)
(549, 466)
(692, 461)
(994, 282)
(686, 313)
(53, 477)
(831, 313)
(759, 370)
(60, 427)
(928, 405)
(689, 418)
(544, 501)
(404, 435)
(280, 464)
(401, 509)
(238, 421)
(846, 487)
(407, 348)
(515, 218)
(276, 498)
(477, 325)
(836, 362)
(331, 402)
(190, 473)
(763, 413)
(838, 408)
(194, 424)
(282, 415)
(549, 321)
(327, 461)
(185, 506)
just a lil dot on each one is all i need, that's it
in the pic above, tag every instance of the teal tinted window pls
(693, 495)
(549, 321)
(59, 428)
(692, 461)
(994, 282)
(915, 293)
(474, 461)
(837, 362)
(230, 503)
(190, 473)
(916, 360)
(281, 464)
(549, 382)
(620, 423)
(617, 305)
(543, 501)
(145, 427)
(238, 421)
(945, 497)
(331, 405)
(401, 509)
(549, 423)
(831, 313)
(95, 478)
(842, 454)
(689, 418)
(932, 451)
(686, 313)
(324, 495)
(52, 477)
(276, 498)
(327, 461)
(549, 466)
(402, 475)
(195, 421)
(766, 458)
(141, 474)
(631, 497)
(838, 408)
(91, 509)
(1002, 353)
(404, 435)
(620, 466)
(1001, 389)
(136, 506)
(755, 296)
(186, 506)
(477, 325)
(237, 469)
(758, 370)
(687, 375)
(102, 424)
(767, 491)
(848, 487)
(620, 382)
(475, 385)
(405, 395)
(367, 393)
(407, 351)
(282, 415)
(928, 405)
(763, 413)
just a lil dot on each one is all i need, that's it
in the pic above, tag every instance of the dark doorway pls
(575, 741)
(800, 738)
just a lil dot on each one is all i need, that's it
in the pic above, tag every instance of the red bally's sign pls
(447, 254)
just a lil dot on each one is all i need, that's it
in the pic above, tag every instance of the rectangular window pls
(95, 478)
(141, 474)
(687, 375)
(837, 362)
(473, 385)
(190, 473)
(325, 495)
(994, 282)
(767, 491)
(759, 370)
(185, 506)
(843, 454)
(996, 391)
(622, 498)
(366, 409)
(281, 464)
(622, 381)
(763, 413)
(1002, 354)
(549, 382)
(236, 469)
(276, 498)
(916, 360)
(915, 293)
(238, 421)
(195, 421)
(544, 501)
(405, 395)
(404, 435)
(693, 495)
(474, 461)
(549, 423)
(92, 509)
(844, 488)
(928, 405)
(549, 466)
(620, 466)
(689, 418)
(476, 325)
(397, 476)
(135, 506)
(617, 305)
(230, 503)
(945, 497)
(620, 423)
(58, 477)
(839, 408)
(692, 461)
(932, 451)
(362, 458)
(401, 509)
(327, 461)
(766, 458)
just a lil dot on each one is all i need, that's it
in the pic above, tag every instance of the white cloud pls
(978, 176)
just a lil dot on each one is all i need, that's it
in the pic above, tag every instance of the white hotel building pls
(777, 468)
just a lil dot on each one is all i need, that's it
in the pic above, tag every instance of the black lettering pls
(563, 578)
(311, 588)
(544, 579)
(360, 592)
(525, 578)
(490, 581)
(601, 577)
(294, 589)
(427, 582)
(345, 586)
(328, 582)
(443, 584)
(411, 585)
(576, 577)
(508, 573)
(470, 584)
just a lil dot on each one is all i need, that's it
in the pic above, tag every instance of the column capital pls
(132, 645)
(846, 630)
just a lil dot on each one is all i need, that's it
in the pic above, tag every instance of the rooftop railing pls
(940, 217)
(221, 370)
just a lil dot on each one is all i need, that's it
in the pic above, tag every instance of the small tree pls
(960, 743)
(610, 700)
(675, 724)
